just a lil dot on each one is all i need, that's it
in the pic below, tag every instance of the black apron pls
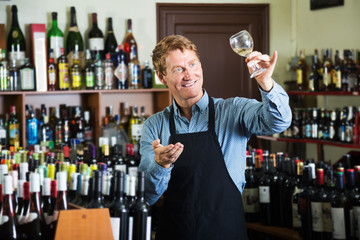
(201, 201)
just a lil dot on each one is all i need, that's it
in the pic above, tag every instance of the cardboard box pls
(39, 55)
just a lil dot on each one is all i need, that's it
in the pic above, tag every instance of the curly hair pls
(168, 44)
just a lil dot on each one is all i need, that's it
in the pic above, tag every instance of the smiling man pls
(194, 151)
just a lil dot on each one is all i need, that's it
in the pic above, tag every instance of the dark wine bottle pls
(147, 73)
(119, 210)
(316, 205)
(46, 205)
(340, 210)
(96, 39)
(355, 202)
(264, 191)
(74, 39)
(277, 192)
(296, 221)
(110, 40)
(142, 213)
(129, 40)
(97, 200)
(250, 194)
(16, 46)
(55, 37)
(34, 216)
(305, 203)
(8, 224)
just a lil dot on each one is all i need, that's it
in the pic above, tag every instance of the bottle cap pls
(7, 185)
(73, 179)
(61, 178)
(51, 171)
(83, 169)
(53, 188)
(85, 185)
(46, 187)
(34, 182)
(24, 168)
(26, 191)
(20, 188)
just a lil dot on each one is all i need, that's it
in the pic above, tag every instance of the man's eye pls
(178, 70)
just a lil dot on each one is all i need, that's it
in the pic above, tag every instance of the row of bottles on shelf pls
(70, 126)
(320, 201)
(339, 74)
(337, 124)
(106, 65)
(35, 188)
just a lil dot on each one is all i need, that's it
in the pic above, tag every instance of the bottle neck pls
(110, 27)
(94, 21)
(73, 22)
(15, 22)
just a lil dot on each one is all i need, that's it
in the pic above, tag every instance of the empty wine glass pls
(243, 44)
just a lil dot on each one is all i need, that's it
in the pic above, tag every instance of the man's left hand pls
(260, 60)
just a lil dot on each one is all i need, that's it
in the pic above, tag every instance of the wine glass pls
(243, 44)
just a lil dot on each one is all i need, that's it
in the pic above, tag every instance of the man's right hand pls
(166, 155)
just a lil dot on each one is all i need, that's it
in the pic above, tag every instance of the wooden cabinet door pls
(210, 26)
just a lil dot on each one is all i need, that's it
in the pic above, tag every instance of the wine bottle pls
(142, 213)
(97, 200)
(63, 71)
(16, 46)
(147, 75)
(55, 37)
(99, 72)
(13, 128)
(305, 204)
(96, 39)
(121, 70)
(106, 190)
(131, 200)
(264, 191)
(84, 191)
(250, 194)
(74, 39)
(327, 86)
(32, 129)
(34, 216)
(77, 200)
(27, 76)
(340, 210)
(119, 210)
(301, 72)
(316, 205)
(134, 126)
(108, 72)
(129, 40)
(277, 192)
(134, 69)
(52, 72)
(296, 219)
(110, 40)
(8, 224)
(73, 185)
(75, 72)
(89, 71)
(117, 159)
(336, 72)
(14, 76)
(131, 162)
(46, 205)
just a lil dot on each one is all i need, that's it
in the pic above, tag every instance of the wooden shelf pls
(308, 93)
(154, 100)
(315, 141)
(278, 232)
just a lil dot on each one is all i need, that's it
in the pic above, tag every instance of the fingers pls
(166, 155)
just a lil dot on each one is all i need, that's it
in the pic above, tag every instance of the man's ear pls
(161, 77)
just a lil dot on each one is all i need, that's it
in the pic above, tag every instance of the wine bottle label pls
(326, 77)
(99, 77)
(131, 226)
(136, 131)
(134, 74)
(109, 77)
(121, 167)
(96, 44)
(326, 217)
(14, 133)
(2, 134)
(76, 79)
(356, 217)
(19, 56)
(148, 228)
(295, 216)
(121, 72)
(63, 76)
(133, 171)
(52, 76)
(89, 79)
(115, 225)
(4, 219)
(264, 194)
(250, 198)
(316, 213)
(338, 222)
(352, 80)
(56, 43)
(299, 75)
(27, 79)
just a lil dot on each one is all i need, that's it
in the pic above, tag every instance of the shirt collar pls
(200, 105)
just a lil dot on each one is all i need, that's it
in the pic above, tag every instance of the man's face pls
(184, 76)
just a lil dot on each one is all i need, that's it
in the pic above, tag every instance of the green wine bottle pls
(55, 37)
(74, 39)
(16, 46)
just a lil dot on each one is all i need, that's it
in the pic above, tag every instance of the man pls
(193, 152)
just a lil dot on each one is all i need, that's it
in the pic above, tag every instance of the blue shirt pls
(236, 119)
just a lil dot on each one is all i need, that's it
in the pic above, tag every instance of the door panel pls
(209, 26)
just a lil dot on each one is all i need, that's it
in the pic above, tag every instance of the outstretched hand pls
(264, 79)
(166, 155)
